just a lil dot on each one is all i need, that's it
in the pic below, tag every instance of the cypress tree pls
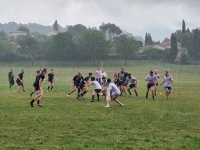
(183, 27)
(174, 47)
(55, 26)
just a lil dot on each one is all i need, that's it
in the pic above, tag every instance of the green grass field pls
(68, 123)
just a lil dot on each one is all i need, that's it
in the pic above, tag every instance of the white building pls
(15, 34)
(52, 32)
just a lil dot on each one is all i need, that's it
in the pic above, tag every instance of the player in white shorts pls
(112, 93)
(98, 74)
(167, 80)
(97, 89)
(158, 79)
(152, 81)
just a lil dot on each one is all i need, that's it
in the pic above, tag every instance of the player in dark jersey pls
(122, 81)
(38, 88)
(76, 83)
(20, 81)
(51, 80)
(11, 78)
(84, 86)
(34, 84)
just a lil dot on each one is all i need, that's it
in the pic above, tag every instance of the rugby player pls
(50, 80)
(11, 78)
(97, 89)
(168, 87)
(20, 81)
(133, 84)
(75, 83)
(34, 84)
(152, 80)
(84, 86)
(112, 93)
(38, 88)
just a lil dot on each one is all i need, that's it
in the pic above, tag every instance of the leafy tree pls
(29, 47)
(2, 34)
(77, 30)
(93, 46)
(185, 59)
(174, 48)
(126, 47)
(111, 27)
(183, 27)
(62, 47)
(55, 26)
(25, 29)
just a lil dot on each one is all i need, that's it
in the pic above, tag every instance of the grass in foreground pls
(67, 123)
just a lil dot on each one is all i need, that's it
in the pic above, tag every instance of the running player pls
(112, 93)
(11, 78)
(75, 83)
(158, 79)
(38, 88)
(20, 81)
(34, 84)
(84, 86)
(50, 80)
(168, 87)
(97, 89)
(133, 84)
(152, 80)
(122, 81)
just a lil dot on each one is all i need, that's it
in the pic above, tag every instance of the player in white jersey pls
(97, 89)
(167, 80)
(158, 79)
(112, 93)
(152, 81)
(98, 74)
(133, 84)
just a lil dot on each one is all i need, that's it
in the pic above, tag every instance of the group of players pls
(111, 91)
(102, 85)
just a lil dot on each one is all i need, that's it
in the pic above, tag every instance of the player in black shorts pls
(11, 78)
(34, 84)
(76, 84)
(50, 80)
(38, 88)
(20, 81)
(84, 86)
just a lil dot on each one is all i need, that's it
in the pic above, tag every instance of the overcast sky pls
(159, 17)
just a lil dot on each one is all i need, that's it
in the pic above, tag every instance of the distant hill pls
(33, 27)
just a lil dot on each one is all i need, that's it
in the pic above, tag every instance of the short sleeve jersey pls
(105, 84)
(98, 72)
(151, 79)
(132, 80)
(122, 76)
(113, 88)
(96, 85)
(77, 79)
(50, 75)
(83, 81)
(20, 76)
(167, 80)
(10, 75)
(157, 76)
(41, 76)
